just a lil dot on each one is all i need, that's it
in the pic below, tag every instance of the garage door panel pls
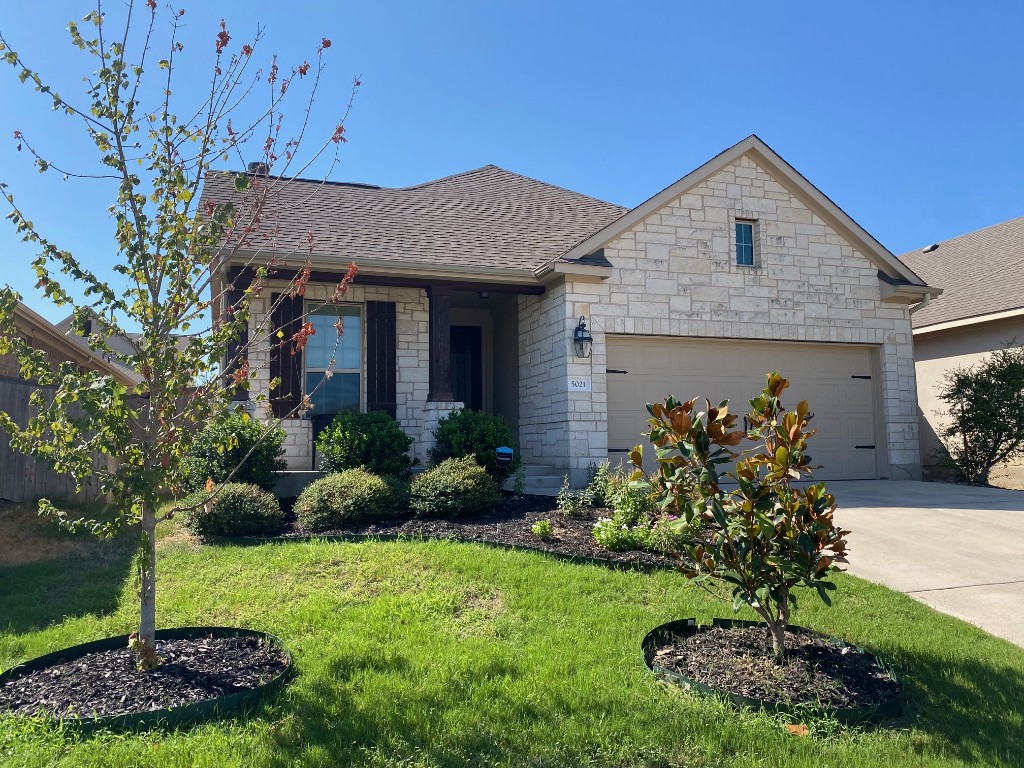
(834, 379)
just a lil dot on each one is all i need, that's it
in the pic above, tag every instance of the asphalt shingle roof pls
(980, 273)
(488, 217)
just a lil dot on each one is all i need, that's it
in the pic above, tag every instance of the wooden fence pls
(22, 478)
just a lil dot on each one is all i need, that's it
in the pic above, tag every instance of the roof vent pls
(258, 168)
(930, 248)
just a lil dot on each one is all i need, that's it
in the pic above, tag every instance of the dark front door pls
(467, 366)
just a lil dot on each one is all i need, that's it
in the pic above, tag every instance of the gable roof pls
(488, 217)
(784, 174)
(981, 273)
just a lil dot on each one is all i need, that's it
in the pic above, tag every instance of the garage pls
(837, 381)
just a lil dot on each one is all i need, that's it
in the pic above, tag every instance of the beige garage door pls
(834, 379)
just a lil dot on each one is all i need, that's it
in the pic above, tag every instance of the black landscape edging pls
(846, 715)
(619, 565)
(170, 717)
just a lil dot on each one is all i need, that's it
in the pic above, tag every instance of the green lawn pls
(439, 654)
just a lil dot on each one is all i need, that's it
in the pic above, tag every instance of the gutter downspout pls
(924, 303)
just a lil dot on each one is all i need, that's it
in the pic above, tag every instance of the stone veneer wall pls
(412, 331)
(675, 275)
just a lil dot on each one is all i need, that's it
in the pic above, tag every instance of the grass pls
(439, 654)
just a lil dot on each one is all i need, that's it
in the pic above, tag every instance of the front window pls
(341, 391)
(745, 243)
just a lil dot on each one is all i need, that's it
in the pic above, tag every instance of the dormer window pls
(745, 256)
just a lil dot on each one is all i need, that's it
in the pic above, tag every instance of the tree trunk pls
(777, 629)
(145, 643)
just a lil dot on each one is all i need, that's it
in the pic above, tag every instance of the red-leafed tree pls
(192, 335)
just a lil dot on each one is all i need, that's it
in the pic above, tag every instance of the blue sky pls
(907, 114)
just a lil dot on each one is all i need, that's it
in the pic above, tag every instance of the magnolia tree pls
(767, 536)
(188, 334)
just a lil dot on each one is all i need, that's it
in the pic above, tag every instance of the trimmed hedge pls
(224, 443)
(238, 509)
(345, 497)
(474, 433)
(454, 488)
(373, 441)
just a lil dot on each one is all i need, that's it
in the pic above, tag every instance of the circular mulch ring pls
(204, 672)
(822, 675)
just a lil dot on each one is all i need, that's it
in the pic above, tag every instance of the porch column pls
(440, 300)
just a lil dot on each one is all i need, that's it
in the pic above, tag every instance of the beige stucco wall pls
(941, 351)
(675, 275)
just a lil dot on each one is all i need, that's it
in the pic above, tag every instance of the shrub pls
(614, 534)
(769, 536)
(224, 442)
(605, 483)
(985, 406)
(238, 509)
(454, 488)
(474, 433)
(541, 529)
(373, 441)
(346, 497)
(572, 502)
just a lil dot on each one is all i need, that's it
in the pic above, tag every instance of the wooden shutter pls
(241, 393)
(285, 360)
(381, 363)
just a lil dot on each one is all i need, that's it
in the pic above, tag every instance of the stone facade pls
(675, 275)
(412, 331)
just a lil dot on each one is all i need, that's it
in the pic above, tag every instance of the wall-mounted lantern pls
(582, 341)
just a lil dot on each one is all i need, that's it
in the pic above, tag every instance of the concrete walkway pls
(956, 548)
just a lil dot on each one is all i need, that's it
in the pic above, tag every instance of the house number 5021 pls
(580, 385)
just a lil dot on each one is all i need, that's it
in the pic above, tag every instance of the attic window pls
(745, 242)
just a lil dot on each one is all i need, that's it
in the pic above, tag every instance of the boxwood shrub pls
(474, 433)
(454, 488)
(373, 441)
(345, 497)
(238, 509)
(224, 443)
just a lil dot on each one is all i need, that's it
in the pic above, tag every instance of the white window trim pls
(755, 236)
(308, 307)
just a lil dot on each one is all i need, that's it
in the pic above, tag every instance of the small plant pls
(542, 529)
(235, 440)
(237, 509)
(985, 405)
(373, 441)
(769, 536)
(570, 502)
(614, 534)
(474, 433)
(345, 497)
(605, 483)
(454, 488)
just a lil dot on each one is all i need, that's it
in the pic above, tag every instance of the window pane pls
(744, 233)
(338, 393)
(744, 254)
(322, 345)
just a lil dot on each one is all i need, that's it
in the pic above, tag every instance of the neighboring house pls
(471, 289)
(980, 310)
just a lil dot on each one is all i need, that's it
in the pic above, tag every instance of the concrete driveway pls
(956, 548)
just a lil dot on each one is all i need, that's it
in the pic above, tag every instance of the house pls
(980, 310)
(473, 288)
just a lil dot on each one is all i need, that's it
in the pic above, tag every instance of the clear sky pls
(907, 114)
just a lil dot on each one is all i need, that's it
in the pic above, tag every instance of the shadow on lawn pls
(972, 708)
(328, 720)
(86, 579)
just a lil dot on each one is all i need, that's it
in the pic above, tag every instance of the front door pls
(467, 365)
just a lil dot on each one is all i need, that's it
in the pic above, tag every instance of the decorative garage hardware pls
(504, 456)
(580, 384)
(615, 370)
(618, 450)
(855, 376)
(582, 341)
(864, 447)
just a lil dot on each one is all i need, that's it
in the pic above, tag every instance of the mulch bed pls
(510, 524)
(738, 660)
(107, 683)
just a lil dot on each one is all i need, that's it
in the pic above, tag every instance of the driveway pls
(956, 548)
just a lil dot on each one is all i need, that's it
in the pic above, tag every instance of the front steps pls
(539, 480)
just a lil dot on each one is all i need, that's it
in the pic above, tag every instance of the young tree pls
(193, 337)
(985, 405)
(768, 536)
